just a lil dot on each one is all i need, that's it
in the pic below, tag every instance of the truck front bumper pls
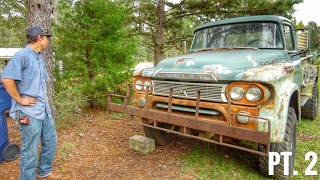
(222, 129)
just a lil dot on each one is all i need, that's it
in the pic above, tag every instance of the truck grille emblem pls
(182, 91)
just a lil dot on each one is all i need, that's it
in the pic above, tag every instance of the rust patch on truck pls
(268, 73)
(310, 74)
(180, 60)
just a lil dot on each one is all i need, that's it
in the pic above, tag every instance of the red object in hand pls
(24, 121)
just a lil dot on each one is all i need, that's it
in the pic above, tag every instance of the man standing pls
(25, 79)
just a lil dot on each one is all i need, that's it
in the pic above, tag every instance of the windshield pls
(253, 34)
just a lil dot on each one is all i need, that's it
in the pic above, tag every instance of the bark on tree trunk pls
(39, 14)
(159, 44)
(90, 76)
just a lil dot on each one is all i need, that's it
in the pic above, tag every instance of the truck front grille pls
(208, 92)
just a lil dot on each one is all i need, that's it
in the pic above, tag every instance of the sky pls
(308, 11)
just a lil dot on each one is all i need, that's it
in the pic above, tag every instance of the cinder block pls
(142, 144)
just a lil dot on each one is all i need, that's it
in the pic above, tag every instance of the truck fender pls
(288, 97)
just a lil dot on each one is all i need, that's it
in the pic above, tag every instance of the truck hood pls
(213, 65)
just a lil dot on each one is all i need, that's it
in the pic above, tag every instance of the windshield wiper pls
(221, 49)
(253, 48)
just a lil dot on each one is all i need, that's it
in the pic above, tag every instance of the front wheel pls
(288, 145)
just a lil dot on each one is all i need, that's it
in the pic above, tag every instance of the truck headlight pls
(138, 85)
(247, 93)
(253, 94)
(147, 84)
(236, 93)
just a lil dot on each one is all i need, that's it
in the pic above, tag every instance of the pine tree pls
(12, 23)
(94, 47)
(314, 29)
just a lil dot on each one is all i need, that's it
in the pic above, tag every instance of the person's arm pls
(11, 87)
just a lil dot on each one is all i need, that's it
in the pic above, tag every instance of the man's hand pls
(11, 88)
(29, 101)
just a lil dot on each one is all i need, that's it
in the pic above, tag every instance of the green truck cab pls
(244, 79)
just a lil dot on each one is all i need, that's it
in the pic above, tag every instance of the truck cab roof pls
(259, 18)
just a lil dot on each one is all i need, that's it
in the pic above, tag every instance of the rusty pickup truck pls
(244, 79)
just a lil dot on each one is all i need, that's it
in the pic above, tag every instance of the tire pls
(161, 137)
(11, 152)
(289, 145)
(310, 109)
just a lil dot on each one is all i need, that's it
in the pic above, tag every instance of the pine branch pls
(140, 33)
(177, 39)
(144, 21)
(147, 45)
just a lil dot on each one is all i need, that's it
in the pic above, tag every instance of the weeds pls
(68, 104)
(65, 150)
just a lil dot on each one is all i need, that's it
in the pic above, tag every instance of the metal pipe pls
(197, 105)
(209, 140)
(170, 100)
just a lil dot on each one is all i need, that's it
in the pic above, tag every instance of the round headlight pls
(147, 84)
(138, 85)
(236, 93)
(253, 94)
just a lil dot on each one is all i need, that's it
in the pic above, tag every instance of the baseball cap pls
(33, 32)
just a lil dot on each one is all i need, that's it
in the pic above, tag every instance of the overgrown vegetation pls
(68, 103)
(12, 24)
(95, 48)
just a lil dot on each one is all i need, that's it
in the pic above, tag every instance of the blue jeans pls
(37, 131)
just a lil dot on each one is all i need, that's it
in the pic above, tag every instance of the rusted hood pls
(214, 65)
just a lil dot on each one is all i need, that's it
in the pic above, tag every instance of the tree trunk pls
(159, 42)
(90, 76)
(39, 14)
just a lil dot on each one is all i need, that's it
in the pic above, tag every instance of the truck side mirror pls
(303, 40)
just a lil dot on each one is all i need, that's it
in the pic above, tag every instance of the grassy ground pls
(213, 162)
(209, 161)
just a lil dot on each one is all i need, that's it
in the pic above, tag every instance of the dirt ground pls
(96, 147)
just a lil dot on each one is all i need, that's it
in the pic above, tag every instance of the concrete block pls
(142, 144)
